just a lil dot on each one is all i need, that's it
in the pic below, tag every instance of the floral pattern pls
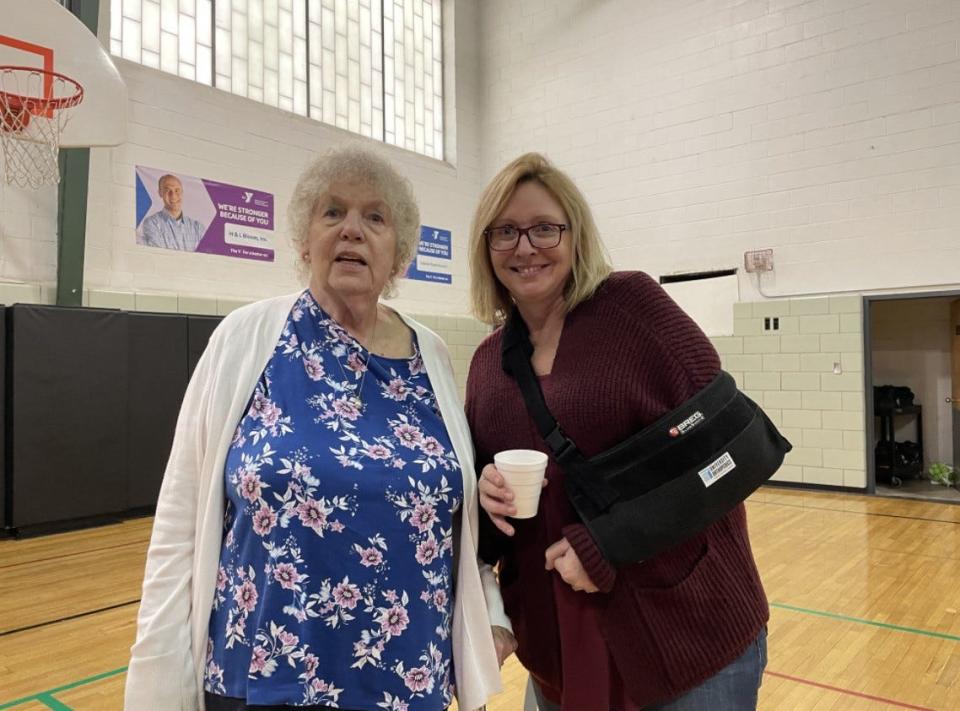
(335, 581)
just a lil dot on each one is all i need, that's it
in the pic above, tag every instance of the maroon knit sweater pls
(626, 356)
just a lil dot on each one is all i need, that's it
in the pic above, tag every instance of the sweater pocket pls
(666, 640)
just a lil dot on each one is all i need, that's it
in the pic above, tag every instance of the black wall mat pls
(200, 329)
(4, 465)
(158, 362)
(91, 398)
(69, 426)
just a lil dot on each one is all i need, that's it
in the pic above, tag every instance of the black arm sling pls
(666, 483)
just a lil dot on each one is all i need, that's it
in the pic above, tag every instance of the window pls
(373, 67)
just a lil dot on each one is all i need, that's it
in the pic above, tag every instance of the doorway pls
(912, 379)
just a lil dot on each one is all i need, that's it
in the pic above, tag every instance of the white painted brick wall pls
(28, 229)
(829, 131)
(698, 129)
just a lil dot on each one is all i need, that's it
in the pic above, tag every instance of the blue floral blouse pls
(335, 581)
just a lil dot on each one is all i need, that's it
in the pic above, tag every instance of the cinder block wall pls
(824, 129)
(791, 373)
(462, 334)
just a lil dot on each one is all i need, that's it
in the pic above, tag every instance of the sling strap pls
(667, 482)
(589, 494)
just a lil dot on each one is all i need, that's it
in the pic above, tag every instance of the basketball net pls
(35, 105)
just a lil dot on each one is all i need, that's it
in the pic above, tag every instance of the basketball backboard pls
(42, 34)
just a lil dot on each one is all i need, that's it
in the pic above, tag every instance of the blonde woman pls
(680, 631)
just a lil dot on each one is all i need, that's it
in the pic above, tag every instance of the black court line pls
(70, 555)
(857, 513)
(70, 617)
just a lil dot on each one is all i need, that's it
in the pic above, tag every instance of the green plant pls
(942, 474)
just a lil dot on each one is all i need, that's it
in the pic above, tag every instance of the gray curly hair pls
(354, 164)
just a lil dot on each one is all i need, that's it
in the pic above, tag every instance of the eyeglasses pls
(544, 235)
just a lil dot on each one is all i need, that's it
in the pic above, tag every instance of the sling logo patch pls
(688, 424)
(720, 466)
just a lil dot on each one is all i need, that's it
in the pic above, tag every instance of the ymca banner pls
(182, 212)
(434, 260)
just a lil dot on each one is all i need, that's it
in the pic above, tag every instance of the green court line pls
(46, 697)
(52, 703)
(859, 620)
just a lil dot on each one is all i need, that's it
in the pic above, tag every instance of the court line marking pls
(69, 617)
(52, 703)
(860, 620)
(42, 696)
(46, 697)
(858, 513)
(848, 692)
(70, 555)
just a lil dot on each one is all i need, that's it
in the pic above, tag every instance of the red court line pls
(849, 692)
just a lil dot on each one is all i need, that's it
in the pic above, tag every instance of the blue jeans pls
(733, 688)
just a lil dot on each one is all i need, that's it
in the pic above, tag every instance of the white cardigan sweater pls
(167, 661)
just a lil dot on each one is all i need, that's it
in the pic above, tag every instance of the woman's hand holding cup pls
(511, 486)
(496, 498)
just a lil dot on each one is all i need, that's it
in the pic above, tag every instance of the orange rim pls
(37, 105)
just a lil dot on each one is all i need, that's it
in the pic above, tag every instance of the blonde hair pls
(354, 164)
(490, 300)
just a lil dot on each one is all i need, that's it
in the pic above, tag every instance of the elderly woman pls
(316, 534)
(682, 630)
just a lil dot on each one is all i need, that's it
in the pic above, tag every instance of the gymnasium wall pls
(698, 129)
(828, 130)
(188, 128)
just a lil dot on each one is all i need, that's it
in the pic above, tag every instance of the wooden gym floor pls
(864, 593)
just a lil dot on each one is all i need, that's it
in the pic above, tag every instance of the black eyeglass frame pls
(521, 231)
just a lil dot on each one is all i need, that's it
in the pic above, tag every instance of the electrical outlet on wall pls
(758, 260)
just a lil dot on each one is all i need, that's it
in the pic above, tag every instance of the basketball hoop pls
(35, 105)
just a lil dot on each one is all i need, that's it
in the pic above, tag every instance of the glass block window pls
(261, 51)
(346, 64)
(174, 36)
(373, 67)
(413, 75)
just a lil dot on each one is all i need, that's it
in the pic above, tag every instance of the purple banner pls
(177, 211)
